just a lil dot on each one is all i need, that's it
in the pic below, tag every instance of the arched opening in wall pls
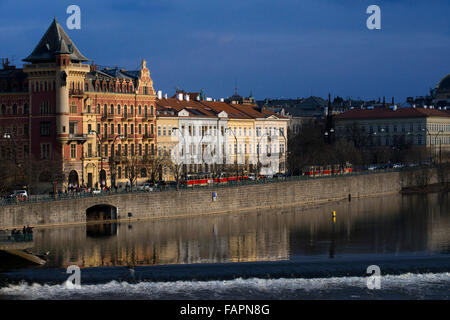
(101, 212)
(73, 179)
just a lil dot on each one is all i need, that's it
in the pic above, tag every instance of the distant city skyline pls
(285, 49)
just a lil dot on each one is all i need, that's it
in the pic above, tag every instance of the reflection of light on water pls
(364, 226)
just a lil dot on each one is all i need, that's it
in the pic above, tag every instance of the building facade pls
(74, 124)
(417, 127)
(215, 137)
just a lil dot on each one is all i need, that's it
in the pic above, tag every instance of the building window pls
(73, 107)
(73, 150)
(140, 128)
(45, 151)
(44, 108)
(45, 128)
(159, 130)
(73, 126)
(131, 128)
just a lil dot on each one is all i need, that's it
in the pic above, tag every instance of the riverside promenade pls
(214, 199)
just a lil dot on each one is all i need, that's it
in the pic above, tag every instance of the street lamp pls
(435, 138)
(9, 136)
(328, 135)
(183, 152)
(199, 144)
(258, 150)
(113, 176)
(236, 144)
(99, 154)
(285, 151)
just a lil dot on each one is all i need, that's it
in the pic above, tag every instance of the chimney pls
(159, 94)
(180, 96)
(222, 100)
(165, 96)
(186, 97)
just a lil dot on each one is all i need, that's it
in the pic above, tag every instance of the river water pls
(295, 253)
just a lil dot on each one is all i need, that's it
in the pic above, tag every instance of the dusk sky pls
(273, 48)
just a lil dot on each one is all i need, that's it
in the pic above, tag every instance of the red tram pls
(204, 179)
(327, 170)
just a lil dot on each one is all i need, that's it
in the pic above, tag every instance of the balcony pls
(108, 137)
(78, 93)
(109, 117)
(127, 117)
(90, 155)
(78, 138)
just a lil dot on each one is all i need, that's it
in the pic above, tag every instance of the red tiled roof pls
(389, 113)
(213, 108)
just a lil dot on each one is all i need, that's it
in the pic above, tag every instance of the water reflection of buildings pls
(439, 227)
(375, 225)
(181, 241)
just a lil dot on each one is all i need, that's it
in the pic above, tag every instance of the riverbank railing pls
(172, 188)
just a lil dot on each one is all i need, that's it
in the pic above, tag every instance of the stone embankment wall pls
(200, 201)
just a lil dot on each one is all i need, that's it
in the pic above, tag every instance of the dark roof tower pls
(55, 41)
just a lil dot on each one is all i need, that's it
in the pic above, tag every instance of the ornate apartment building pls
(211, 136)
(75, 124)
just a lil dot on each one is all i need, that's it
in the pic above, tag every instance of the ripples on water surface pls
(279, 254)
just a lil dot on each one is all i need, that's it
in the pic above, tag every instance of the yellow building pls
(167, 140)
